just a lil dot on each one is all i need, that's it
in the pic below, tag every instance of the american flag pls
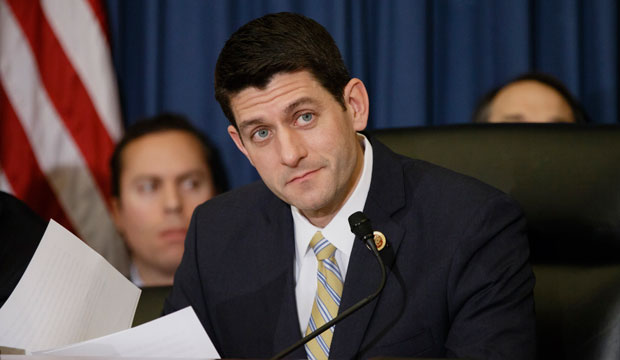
(59, 115)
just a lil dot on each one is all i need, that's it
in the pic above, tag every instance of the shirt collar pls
(134, 275)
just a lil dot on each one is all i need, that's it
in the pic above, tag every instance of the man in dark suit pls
(22, 231)
(459, 283)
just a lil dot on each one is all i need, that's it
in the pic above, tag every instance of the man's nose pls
(172, 199)
(292, 147)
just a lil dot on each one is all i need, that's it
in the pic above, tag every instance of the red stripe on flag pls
(66, 91)
(100, 14)
(22, 170)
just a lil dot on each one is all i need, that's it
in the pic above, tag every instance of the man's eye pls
(191, 184)
(306, 118)
(147, 187)
(261, 134)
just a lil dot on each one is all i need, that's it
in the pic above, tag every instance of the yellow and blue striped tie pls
(327, 301)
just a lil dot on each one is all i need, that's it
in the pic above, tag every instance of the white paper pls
(176, 335)
(59, 357)
(69, 293)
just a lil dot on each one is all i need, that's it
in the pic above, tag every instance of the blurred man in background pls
(161, 170)
(532, 98)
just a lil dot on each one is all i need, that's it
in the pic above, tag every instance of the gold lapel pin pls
(380, 240)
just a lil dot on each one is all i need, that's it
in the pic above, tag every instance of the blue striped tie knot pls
(322, 248)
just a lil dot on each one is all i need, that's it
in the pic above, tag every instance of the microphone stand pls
(371, 244)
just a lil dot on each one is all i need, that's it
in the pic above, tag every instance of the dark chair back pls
(567, 179)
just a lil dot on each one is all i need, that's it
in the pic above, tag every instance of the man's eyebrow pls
(249, 123)
(145, 177)
(190, 173)
(301, 101)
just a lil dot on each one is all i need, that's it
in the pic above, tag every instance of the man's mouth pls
(303, 176)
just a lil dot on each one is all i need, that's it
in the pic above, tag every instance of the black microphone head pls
(360, 225)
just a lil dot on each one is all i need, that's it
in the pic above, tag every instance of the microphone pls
(361, 227)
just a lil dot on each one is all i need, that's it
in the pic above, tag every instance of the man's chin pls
(170, 266)
(171, 258)
(311, 207)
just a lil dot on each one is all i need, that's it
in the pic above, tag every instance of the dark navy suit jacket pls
(459, 283)
(20, 233)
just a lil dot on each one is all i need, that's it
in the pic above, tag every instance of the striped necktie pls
(327, 301)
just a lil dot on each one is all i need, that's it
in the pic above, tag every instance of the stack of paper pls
(70, 294)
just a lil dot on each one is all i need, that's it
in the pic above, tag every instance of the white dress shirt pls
(338, 232)
(134, 275)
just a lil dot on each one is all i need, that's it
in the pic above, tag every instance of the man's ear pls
(356, 101)
(236, 137)
(116, 213)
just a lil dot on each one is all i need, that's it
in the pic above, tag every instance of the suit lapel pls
(287, 323)
(386, 196)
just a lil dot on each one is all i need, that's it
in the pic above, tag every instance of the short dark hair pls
(276, 43)
(483, 108)
(161, 123)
